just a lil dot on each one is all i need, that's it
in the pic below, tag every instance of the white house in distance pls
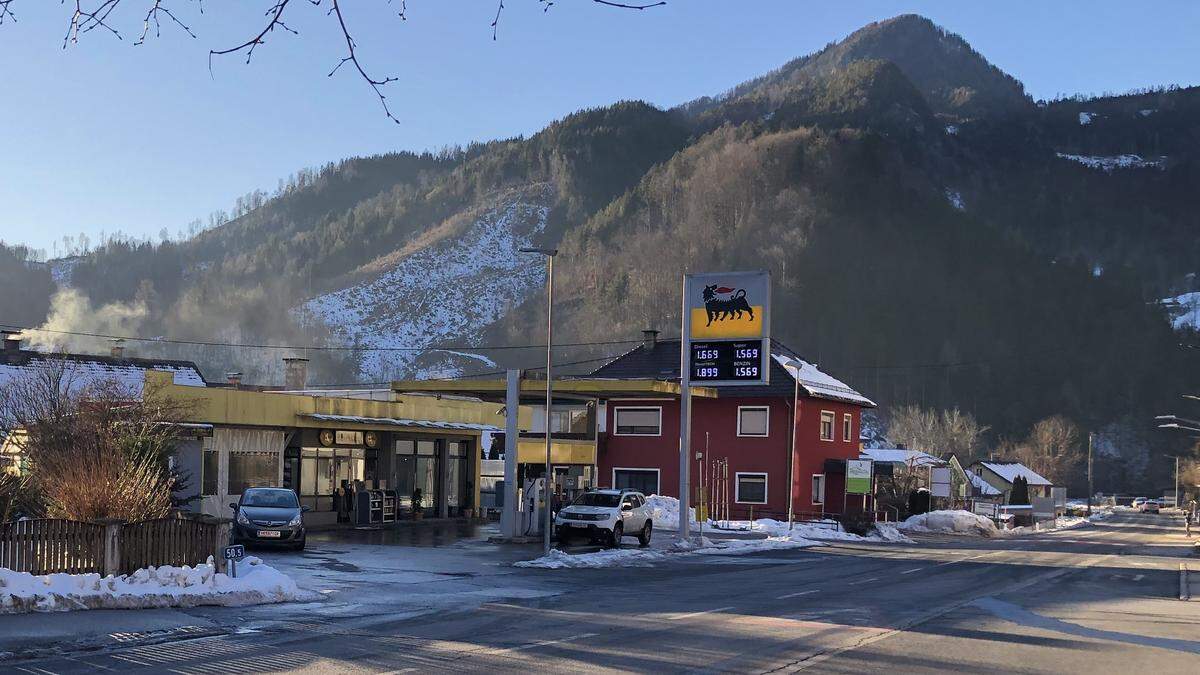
(1000, 476)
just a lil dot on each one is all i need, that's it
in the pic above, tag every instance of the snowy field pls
(1109, 163)
(166, 586)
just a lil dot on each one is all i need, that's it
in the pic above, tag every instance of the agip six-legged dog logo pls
(732, 306)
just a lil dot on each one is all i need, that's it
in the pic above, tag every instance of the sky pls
(107, 136)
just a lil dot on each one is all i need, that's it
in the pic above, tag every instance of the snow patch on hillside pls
(1108, 163)
(955, 199)
(1085, 118)
(445, 293)
(1184, 310)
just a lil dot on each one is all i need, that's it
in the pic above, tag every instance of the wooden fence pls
(47, 546)
(167, 541)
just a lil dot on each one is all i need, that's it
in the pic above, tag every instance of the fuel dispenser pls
(533, 504)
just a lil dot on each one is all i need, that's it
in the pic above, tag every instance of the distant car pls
(608, 515)
(269, 516)
(1150, 506)
(1138, 501)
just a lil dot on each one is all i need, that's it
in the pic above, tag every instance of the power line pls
(323, 348)
(470, 376)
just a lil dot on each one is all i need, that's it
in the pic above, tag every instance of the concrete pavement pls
(1100, 599)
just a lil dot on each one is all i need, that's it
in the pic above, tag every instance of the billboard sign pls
(727, 319)
(858, 476)
(939, 481)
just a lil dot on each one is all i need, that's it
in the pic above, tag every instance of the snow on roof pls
(83, 370)
(817, 383)
(984, 488)
(901, 456)
(1010, 470)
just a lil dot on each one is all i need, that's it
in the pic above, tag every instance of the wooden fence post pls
(112, 546)
(224, 529)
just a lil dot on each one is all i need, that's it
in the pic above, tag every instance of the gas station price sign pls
(727, 361)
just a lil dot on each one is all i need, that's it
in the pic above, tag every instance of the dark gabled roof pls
(661, 362)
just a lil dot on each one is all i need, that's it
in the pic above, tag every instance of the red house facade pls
(785, 443)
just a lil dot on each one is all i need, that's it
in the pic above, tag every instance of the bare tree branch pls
(85, 21)
(152, 15)
(6, 13)
(623, 5)
(352, 57)
(276, 20)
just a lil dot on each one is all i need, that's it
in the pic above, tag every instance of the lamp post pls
(549, 253)
(1183, 424)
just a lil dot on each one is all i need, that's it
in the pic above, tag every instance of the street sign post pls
(234, 554)
(858, 476)
(725, 328)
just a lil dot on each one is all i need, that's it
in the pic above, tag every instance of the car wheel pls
(644, 536)
(618, 531)
(300, 546)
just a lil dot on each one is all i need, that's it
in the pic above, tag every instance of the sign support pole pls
(685, 412)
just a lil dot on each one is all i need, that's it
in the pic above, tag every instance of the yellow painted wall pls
(563, 451)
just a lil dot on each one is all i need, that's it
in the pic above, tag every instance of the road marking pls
(915, 569)
(542, 643)
(707, 611)
(795, 595)
(864, 581)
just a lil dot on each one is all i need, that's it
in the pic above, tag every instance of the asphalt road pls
(1097, 599)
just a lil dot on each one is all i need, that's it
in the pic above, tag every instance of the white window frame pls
(815, 476)
(832, 422)
(657, 476)
(764, 408)
(737, 486)
(847, 427)
(617, 410)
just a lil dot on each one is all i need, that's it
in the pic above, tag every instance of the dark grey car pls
(269, 516)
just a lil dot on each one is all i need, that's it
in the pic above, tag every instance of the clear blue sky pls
(106, 136)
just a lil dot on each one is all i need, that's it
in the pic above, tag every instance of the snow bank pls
(952, 522)
(165, 586)
(665, 512)
(741, 546)
(889, 532)
(620, 557)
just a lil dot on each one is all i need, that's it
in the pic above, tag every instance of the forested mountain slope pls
(935, 237)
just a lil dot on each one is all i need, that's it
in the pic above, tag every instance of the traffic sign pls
(235, 552)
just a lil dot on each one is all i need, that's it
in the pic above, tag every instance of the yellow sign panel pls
(746, 323)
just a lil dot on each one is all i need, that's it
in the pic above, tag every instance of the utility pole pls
(685, 415)
(1091, 491)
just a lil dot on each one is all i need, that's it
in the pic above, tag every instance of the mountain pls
(934, 237)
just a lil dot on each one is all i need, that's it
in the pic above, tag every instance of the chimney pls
(295, 373)
(649, 338)
(12, 340)
(234, 378)
(118, 348)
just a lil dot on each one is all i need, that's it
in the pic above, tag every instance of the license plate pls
(268, 534)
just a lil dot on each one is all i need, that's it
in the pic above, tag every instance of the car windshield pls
(279, 499)
(597, 499)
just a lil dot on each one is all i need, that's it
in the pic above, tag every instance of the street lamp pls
(549, 253)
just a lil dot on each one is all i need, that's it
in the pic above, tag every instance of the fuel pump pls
(532, 503)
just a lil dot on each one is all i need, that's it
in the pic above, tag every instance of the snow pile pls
(1108, 163)
(889, 532)
(445, 291)
(619, 557)
(664, 511)
(1185, 310)
(742, 546)
(951, 522)
(165, 586)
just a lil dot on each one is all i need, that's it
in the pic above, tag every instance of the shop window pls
(818, 488)
(637, 421)
(826, 425)
(847, 425)
(751, 488)
(642, 480)
(252, 469)
(210, 472)
(753, 420)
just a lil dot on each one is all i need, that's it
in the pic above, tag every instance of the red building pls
(803, 421)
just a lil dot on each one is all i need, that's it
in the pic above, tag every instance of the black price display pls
(730, 360)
